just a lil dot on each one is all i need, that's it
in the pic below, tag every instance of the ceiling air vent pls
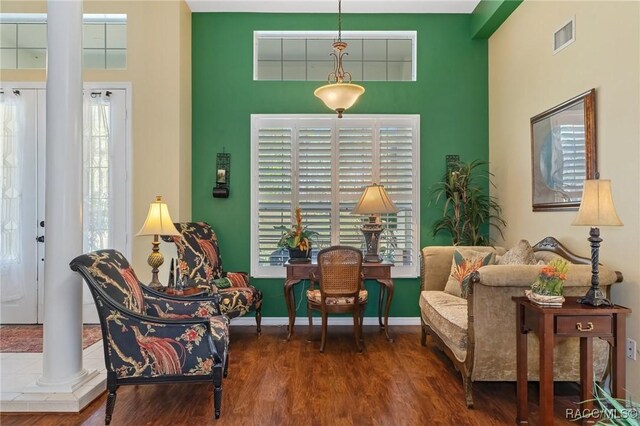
(564, 36)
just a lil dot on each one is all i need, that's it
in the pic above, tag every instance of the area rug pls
(28, 338)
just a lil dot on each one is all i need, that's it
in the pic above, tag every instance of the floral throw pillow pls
(464, 263)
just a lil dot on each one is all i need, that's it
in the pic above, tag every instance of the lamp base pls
(595, 297)
(371, 231)
(155, 260)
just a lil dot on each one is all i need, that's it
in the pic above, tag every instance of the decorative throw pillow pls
(222, 282)
(520, 254)
(465, 262)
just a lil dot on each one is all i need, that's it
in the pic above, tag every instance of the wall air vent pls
(564, 36)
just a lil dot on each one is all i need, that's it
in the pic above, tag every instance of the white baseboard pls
(277, 321)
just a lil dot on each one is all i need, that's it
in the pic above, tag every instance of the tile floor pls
(19, 370)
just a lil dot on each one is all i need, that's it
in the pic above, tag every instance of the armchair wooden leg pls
(259, 319)
(309, 314)
(217, 390)
(361, 321)
(356, 327)
(226, 366)
(324, 331)
(423, 335)
(111, 398)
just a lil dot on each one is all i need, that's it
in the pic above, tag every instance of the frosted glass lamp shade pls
(158, 220)
(374, 200)
(339, 96)
(596, 207)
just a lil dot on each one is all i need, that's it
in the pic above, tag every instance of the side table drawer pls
(583, 325)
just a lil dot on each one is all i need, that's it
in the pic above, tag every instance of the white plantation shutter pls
(397, 176)
(274, 190)
(355, 159)
(322, 164)
(315, 179)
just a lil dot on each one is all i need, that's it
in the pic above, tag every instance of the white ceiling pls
(331, 6)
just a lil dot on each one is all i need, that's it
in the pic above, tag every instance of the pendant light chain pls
(339, 20)
(339, 94)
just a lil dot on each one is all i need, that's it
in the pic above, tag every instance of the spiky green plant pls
(610, 410)
(467, 209)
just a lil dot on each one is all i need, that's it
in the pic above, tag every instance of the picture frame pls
(563, 153)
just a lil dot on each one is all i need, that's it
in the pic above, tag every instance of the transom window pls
(321, 164)
(23, 41)
(372, 55)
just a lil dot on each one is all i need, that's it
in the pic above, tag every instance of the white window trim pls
(259, 271)
(331, 35)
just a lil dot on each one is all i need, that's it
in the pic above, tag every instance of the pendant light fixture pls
(340, 94)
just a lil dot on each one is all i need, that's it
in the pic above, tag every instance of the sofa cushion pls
(237, 301)
(465, 261)
(546, 256)
(520, 254)
(447, 316)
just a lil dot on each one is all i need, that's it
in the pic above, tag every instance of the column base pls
(69, 386)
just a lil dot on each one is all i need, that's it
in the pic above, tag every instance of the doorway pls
(106, 191)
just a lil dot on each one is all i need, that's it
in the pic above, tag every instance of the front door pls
(18, 206)
(106, 208)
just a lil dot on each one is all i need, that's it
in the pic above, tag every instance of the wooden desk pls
(570, 320)
(381, 272)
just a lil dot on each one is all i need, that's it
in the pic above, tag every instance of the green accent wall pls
(489, 15)
(450, 94)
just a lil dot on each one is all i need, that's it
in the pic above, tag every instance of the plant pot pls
(543, 300)
(299, 256)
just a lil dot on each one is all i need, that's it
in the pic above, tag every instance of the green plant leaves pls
(467, 208)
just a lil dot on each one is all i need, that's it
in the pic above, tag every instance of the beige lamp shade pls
(596, 207)
(339, 96)
(158, 220)
(374, 200)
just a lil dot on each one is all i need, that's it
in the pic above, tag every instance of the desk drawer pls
(375, 272)
(584, 325)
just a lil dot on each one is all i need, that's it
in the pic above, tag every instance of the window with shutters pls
(322, 164)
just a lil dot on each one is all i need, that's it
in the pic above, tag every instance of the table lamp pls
(158, 223)
(596, 209)
(373, 202)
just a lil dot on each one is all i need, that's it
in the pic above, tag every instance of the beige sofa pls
(479, 334)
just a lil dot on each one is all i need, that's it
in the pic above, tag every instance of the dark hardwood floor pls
(272, 382)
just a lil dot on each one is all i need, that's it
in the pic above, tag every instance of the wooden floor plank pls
(275, 382)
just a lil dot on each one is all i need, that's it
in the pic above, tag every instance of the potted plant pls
(297, 240)
(468, 209)
(548, 288)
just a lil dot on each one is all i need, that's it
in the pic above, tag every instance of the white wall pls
(525, 78)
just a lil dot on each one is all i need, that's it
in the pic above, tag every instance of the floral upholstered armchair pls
(150, 337)
(200, 262)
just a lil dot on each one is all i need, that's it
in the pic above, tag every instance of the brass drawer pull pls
(589, 326)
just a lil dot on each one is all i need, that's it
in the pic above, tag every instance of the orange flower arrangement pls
(298, 236)
(550, 281)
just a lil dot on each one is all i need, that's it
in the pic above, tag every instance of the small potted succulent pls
(548, 288)
(297, 240)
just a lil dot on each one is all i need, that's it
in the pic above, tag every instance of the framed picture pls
(221, 176)
(563, 153)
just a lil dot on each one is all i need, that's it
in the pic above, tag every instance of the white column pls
(62, 354)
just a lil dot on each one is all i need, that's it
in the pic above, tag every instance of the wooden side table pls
(570, 320)
(381, 272)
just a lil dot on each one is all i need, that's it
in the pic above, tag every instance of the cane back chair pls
(341, 289)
